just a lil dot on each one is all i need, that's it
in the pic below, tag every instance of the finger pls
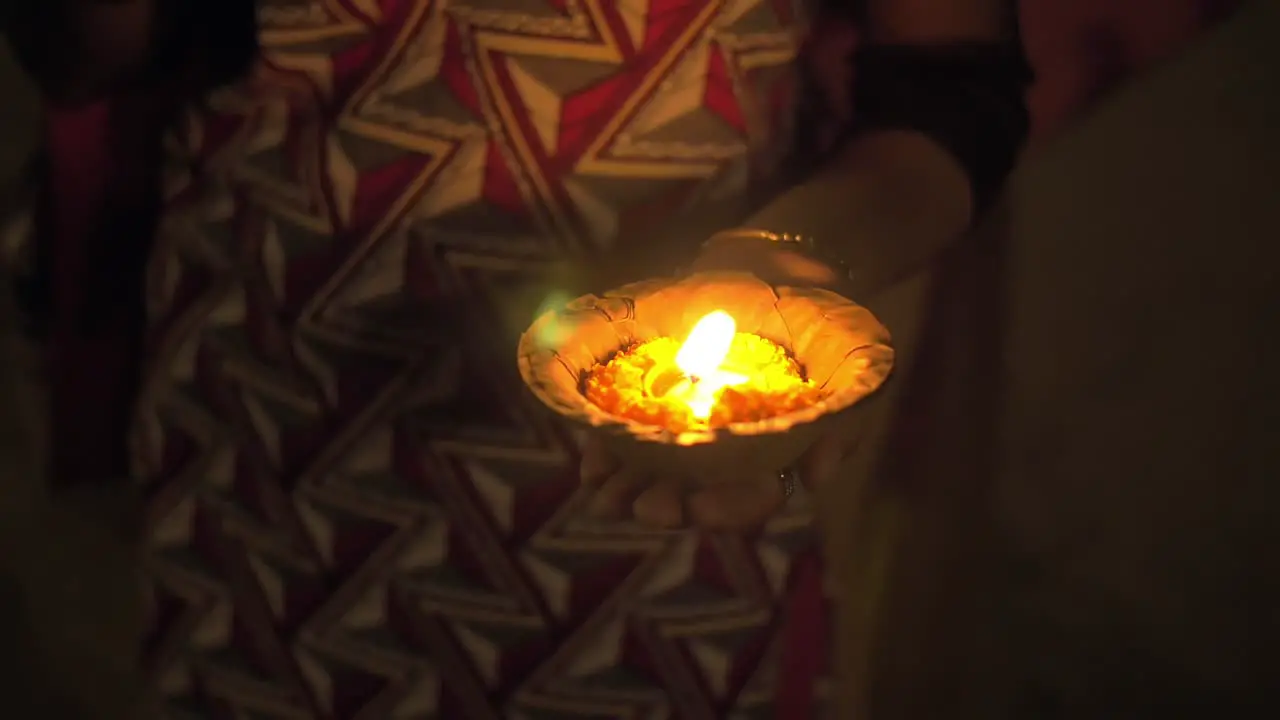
(767, 261)
(614, 497)
(822, 462)
(795, 267)
(740, 506)
(661, 504)
(597, 463)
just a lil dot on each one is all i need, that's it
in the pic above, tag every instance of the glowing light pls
(707, 345)
(700, 359)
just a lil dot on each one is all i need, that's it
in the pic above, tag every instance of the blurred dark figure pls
(1085, 488)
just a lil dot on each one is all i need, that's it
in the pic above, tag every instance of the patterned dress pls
(354, 510)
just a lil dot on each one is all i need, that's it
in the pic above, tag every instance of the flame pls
(700, 358)
(707, 345)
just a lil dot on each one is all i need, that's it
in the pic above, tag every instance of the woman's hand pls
(674, 501)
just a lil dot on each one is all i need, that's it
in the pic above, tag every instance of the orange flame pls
(700, 359)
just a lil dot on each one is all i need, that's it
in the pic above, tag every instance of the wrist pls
(781, 259)
(807, 246)
(886, 204)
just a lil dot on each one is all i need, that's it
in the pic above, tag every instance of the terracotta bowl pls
(839, 344)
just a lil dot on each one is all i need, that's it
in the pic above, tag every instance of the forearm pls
(939, 119)
(886, 203)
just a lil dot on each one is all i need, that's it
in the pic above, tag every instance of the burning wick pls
(707, 345)
(700, 378)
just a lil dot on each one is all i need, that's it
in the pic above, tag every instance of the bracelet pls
(804, 244)
(970, 99)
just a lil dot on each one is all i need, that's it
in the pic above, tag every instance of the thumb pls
(596, 463)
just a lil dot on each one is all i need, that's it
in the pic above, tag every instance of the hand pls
(674, 501)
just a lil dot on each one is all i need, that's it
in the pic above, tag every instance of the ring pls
(788, 478)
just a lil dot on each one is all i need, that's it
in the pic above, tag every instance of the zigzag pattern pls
(354, 511)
